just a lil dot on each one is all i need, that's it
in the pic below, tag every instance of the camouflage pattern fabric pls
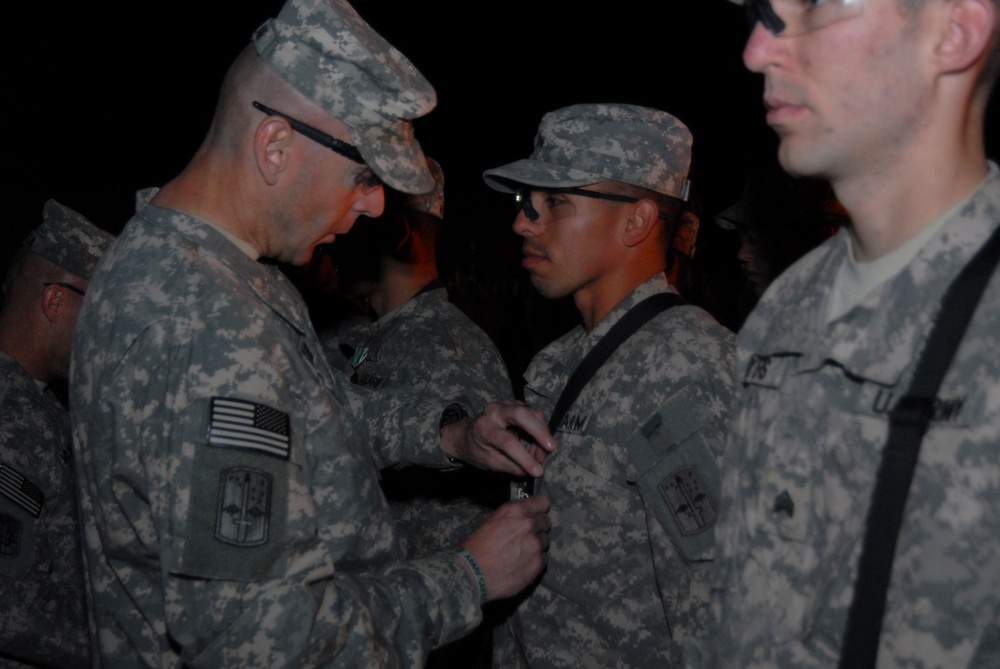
(230, 503)
(431, 347)
(326, 50)
(806, 443)
(66, 238)
(43, 616)
(618, 592)
(583, 144)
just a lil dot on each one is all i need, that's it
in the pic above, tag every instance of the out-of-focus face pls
(845, 96)
(756, 269)
(570, 247)
(70, 303)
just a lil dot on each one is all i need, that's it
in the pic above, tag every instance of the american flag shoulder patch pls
(249, 426)
(21, 491)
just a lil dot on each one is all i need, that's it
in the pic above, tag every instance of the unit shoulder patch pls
(244, 509)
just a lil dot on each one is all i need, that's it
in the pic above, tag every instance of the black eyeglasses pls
(68, 286)
(522, 199)
(761, 10)
(349, 151)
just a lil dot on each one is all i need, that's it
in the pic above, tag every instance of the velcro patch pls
(248, 426)
(244, 510)
(690, 501)
(769, 370)
(574, 423)
(10, 536)
(21, 491)
(238, 514)
(677, 476)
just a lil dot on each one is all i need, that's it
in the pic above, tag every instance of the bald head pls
(250, 79)
(266, 175)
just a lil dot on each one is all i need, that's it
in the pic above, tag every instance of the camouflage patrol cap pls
(587, 143)
(431, 202)
(325, 50)
(69, 240)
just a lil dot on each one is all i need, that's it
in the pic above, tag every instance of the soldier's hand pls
(491, 440)
(511, 545)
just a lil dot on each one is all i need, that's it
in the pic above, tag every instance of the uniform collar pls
(879, 338)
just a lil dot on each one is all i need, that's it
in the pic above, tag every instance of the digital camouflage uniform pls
(806, 444)
(431, 347)
(42, 609)
(634, 484)
(42, 592)
(617, 591)
(228, 480)
(216, 545)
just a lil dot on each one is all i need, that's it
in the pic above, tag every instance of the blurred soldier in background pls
(41, 577)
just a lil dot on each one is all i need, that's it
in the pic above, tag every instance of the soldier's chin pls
(799, 160)
(547, 290)
(304, 260)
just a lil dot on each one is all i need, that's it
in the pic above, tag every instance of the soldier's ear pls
(53, 301)
(641, 223)
(964, 39)
(271, 143)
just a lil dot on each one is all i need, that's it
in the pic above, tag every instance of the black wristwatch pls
(452, 413)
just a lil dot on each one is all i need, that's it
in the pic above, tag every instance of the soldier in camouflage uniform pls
(420, 341)
(228, 480)
(884, 99)
(41, 577)
(626, 585)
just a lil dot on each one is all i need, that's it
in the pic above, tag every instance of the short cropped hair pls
(669, 207)
(991, 68)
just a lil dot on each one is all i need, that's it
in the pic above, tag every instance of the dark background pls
(103, 102)
(107, 98)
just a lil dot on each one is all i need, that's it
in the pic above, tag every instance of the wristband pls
(476, 571)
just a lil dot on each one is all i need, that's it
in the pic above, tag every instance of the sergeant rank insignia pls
(783, 504)
(689, 501)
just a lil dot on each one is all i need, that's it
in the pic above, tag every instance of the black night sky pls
(103, 102)
(107, 98)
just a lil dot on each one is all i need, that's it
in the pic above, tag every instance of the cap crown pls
(68, 239)
(326, 51)
(431, 202)
(587, 143)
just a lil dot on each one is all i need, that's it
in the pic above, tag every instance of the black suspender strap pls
(908, 422)
(619, 332)
(636, 317)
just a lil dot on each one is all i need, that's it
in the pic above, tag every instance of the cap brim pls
(538, 174)
(400, 166)
(732, 218)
